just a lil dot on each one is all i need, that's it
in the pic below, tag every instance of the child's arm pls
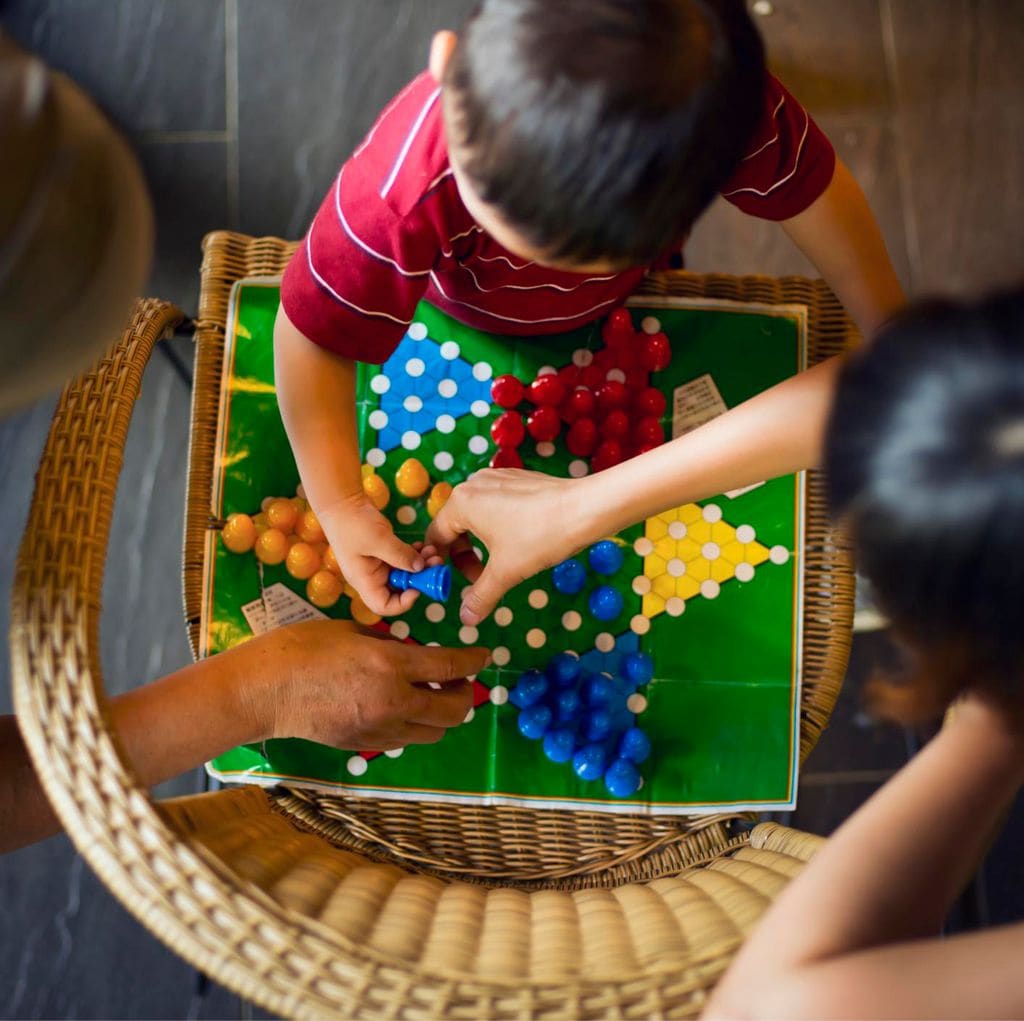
(511, 512)
(316, 394)
(837, 941)
(838, 233)
(320, 680)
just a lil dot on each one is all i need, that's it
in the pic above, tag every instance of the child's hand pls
(527, 520)
(324, 681)
(366, 549)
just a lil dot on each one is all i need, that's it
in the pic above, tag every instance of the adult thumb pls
(480, 599)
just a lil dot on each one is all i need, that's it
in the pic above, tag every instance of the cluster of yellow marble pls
(689, 551)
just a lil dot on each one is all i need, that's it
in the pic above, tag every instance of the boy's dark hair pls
(601, 129)
(925, 459)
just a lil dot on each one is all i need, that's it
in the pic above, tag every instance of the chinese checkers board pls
(709, 592)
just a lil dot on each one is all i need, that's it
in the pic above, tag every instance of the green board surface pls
(722, 710)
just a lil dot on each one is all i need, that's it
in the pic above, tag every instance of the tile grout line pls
(188, 137)
(911, 234)
(232, 172)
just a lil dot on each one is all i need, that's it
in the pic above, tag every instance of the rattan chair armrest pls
(55, 610)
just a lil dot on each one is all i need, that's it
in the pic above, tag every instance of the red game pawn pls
(611, 394)
(643, 448)
(582, 437)
(507, 430)
(647, 432)
(649, 402)
(618, 328)
(506, 457)
(544, 423)
(615, 425)
(592, 376)
(637, 378)
(655, 352)
(608, 453)
(546, 389)
(507, 391)
(581, 403)
(570, 376)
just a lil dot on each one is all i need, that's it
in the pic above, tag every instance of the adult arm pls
(321, 680)
(849, 936)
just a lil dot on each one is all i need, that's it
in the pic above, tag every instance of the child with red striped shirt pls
(550, 157)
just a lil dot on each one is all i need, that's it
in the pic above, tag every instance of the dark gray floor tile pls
(852, 741)
(312, 86)
(70, 949)
(728, 241)
(822, 808)
(187, 182)
(958, 79)
(156, 65)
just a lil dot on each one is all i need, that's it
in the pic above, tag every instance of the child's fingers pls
(391, 550)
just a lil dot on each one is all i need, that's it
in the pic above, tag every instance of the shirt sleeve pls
(789, 164)
(353, 284)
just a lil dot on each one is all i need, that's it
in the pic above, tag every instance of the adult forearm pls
(772, 434)
(892, 870)
(840, 235)
(165, 729)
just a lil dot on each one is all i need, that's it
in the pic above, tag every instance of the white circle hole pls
(414, 367)
(478, 445)
(538, 599)
(547, 370)
(778, 555)
(577, 469)
(399, 629)
(650, 324)
(447, 388)
(450, 350)
(418, 331)
(641, 584)
(643, 547)
(394, 753)
(676, 567)
(711, 551)
(535, 638)
(443, 461)
(677, 529)
(500, 655)
(498, 694)
(744, 572)
(468, 634)
(406, 515)
(545, 448)
(445, 424)
(380, 384)
(375, 457)
(745, 534)
(674, 606)
(411, 439)
(604, 642)
(503, 616)
(435, 613)
(636, 703)
(413, 403)
(639, 624)
(581, 357)
(480, 409)
(356, 765)
(615, 376)
(711, 513)
(709, 588)
(482, 372)
(571, 620)
(378, 419)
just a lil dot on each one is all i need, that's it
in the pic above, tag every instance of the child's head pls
(595, 132)
(925, 458)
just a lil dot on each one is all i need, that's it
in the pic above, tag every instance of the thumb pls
(482, 596)
(446, 527)
(400, 554)
(436, 664)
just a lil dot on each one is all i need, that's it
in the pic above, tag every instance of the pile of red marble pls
(607, 405)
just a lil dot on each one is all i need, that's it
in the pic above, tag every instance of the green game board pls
(723, 708)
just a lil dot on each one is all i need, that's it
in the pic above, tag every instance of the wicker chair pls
(317, 905)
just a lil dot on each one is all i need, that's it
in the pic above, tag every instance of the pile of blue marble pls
(584, 718)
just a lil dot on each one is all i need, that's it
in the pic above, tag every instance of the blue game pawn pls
(622, 779)
(569, 577)
(590, 761)
(599, 725)
(598, 689)
(606, 557)
(567, 703)
(559, 745)
(529, 690)
(637, 667)
(534, 721)
(433, 582)
(605, 603)
(564, 669)
(634, 745)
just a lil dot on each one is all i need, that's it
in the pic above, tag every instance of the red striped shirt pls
(392, 230)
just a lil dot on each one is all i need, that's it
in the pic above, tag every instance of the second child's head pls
(925, 460)
(593, 133)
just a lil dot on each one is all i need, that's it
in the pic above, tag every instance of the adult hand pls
(326, 682)
(527, 521)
